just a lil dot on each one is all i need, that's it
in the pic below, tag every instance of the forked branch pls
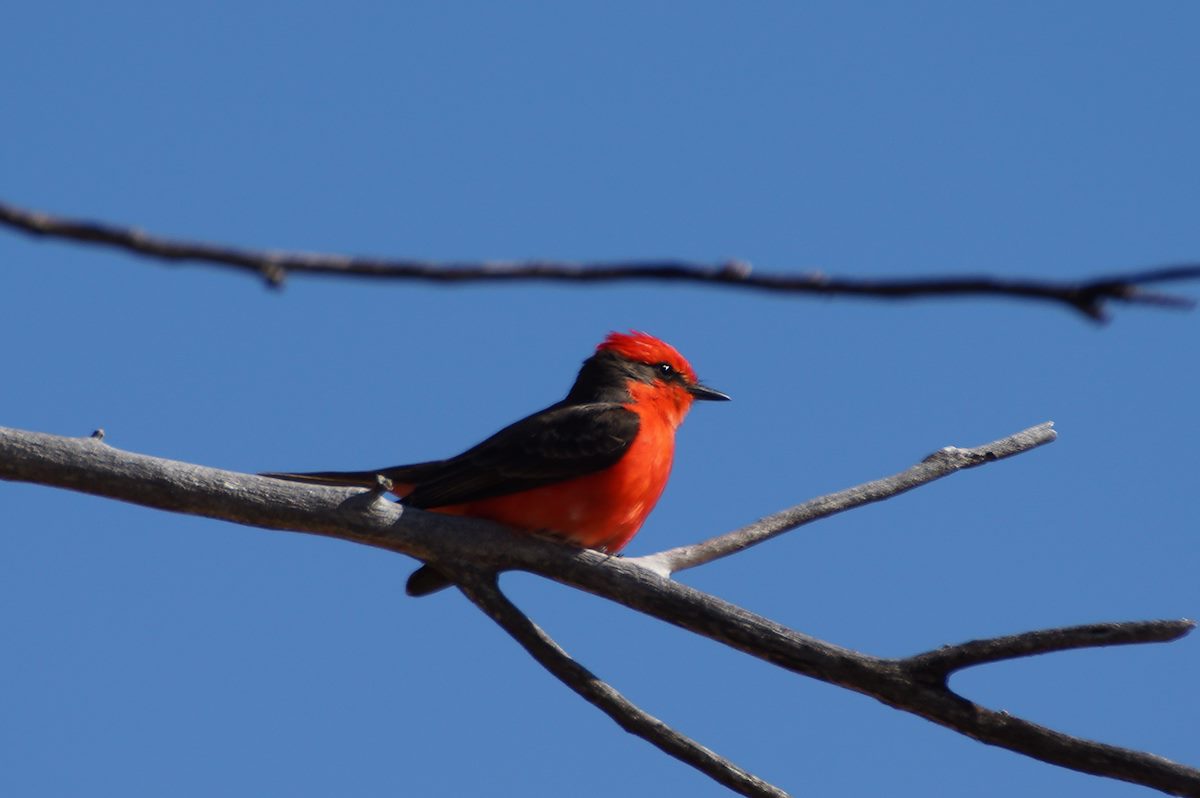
(1089, 297)
(916, 684)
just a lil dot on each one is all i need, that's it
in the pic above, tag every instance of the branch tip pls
(1170, 301)
(941, 463)
(940, 663)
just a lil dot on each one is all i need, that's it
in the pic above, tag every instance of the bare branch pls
(91, 466)
(482, 590)
(937, 465)
(885, 680)
(1088, 297)
(937, 665)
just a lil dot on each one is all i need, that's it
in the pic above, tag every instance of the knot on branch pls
(960, 458)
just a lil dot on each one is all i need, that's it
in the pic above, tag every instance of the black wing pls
(559, 443)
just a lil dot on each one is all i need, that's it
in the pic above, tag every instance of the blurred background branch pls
(1089, 296)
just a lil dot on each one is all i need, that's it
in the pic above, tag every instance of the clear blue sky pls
(148, 654)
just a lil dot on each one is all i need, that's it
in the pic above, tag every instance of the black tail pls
(365, 479)
(401, 475)
(424, 580)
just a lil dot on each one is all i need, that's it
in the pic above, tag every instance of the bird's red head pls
(641, 347)
(654, 374)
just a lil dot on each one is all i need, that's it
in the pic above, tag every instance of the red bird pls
(588, 469)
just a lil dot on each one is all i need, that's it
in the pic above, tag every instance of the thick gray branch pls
(91, 466)
(482, 590)
(1088, 297)
(937, 465)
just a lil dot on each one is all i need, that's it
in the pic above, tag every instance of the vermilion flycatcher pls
(588, 469)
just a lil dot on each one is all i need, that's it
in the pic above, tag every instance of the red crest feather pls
(644, 348)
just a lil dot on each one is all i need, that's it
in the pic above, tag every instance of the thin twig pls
(937, 465)
(939, 664)
(92, 466)
(1088, 297)
(483, 591)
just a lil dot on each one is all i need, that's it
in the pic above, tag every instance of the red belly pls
(599, 511)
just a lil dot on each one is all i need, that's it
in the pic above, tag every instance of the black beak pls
(699, 391)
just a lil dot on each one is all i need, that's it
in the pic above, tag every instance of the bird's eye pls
(665, 369)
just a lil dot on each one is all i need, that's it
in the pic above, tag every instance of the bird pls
(586, 470)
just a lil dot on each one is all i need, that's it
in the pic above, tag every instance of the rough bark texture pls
(474, 551)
